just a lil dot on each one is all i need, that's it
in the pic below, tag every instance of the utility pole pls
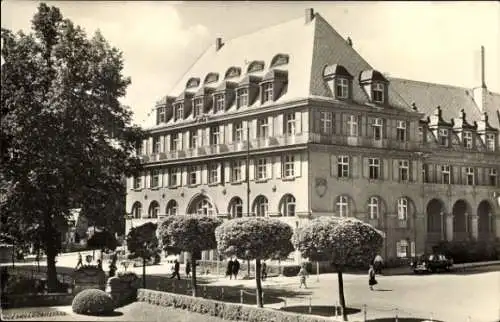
(247, 177)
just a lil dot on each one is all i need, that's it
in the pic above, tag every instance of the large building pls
(327, 135)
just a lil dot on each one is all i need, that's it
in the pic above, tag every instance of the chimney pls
(349, 41)
(218, 43)
(483, 82)
(309, 15)
(479, 93)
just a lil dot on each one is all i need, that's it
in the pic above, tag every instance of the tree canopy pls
(255, 238)
(67, 140)
(142, 241)
(102, 240)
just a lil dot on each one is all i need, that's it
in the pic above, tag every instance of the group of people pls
(233, 267)
(177, 267)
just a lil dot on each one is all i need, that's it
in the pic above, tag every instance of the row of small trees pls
(344, 242)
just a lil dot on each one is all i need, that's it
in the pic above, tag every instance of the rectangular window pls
(402, 248)
(179, 111)
(401, 131)
(192, 175)
(173, 177)
(421, 134)
(219, 103)
(342, 88)
(469, 172)
(404, 170)
(193, 139)
(378, 92)
(261, 169)
(445, 174)
(326, 122)
(238, 132)
(156, 144)
(492, 175)
(290, 124)
(289, 166)
(214, 135)
(490, 142)
(236, 171)
(467, 140)
(377, 129)
(343, 166)
(443, 137)
(353, 125)
(267, 92)
(374, 168)
(174, 142)
(138, 182)
(242, 97)
(197, 107)
(263, 128)
(155, 178)
(213, 173)
(162, 115)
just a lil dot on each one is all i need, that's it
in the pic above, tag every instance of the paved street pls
(446, 297)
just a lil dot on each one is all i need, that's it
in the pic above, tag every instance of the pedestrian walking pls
(177, 267)
(80, 260)
(229, 268)
(378, 263)
(263, 274)
(303, 274)
(236, 268)
(188, 268)
(371, 277)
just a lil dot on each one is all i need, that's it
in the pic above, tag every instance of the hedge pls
(223, 310)
(31, 315)
(469, 251)
(92, 302)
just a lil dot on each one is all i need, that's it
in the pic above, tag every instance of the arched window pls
(154, 210)
(172, 208)
(342, 206)
(260, 207)
(374, 207)
(137, 210)
(403, 209)
(287, 208)
(236, 208)
(204, 207)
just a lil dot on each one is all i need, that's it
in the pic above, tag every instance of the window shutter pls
(253, 129)
(245, 126)
(243, 170)
(204, 174)
(398, 247)
(166, 178)
(167, 143)
(362, 124)
(333, 166)
(184, 173)
(198, 174)
(317, 121)
(431, 169)
(297, 167)
(162, 143)
(187, 138)
(278, 167)
(251, 170)
(385, 168)
(395, 170)
(221, 134)
(160, 177)
(219, 172)
(298, 122)
(355, 170)
(229, 136)
(366, 169)
(439, 173)
(270, 123)
(181, 141)
(278, 125)
(227, 171)
(150, 145)
(201, 141)
(459, 175)
(206, 139)
(269, 167)
(414, 168)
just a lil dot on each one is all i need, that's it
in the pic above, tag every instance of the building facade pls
(317, 131)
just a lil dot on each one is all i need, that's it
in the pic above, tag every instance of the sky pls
(436, 42)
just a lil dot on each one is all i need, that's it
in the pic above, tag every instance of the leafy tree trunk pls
(51, 269)
(143, 272)
(193, 276)
(248, 268)
(259, 284)
(341, 293)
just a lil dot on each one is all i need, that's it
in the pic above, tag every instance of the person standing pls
(188, 268)
(371, 277)
(80, 261)
(263, 274)
(99, 264)
(177, 267)
(302, 276)
(236, 268)
(378, 262)
(229, 268)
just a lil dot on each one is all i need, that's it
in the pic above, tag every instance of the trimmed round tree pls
(102, 240)
(191, 234)
(143, 243)
(346, 242)
(256, 239)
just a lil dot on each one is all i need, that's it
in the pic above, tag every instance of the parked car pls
(431, 263)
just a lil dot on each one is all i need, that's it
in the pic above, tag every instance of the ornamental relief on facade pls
(321, 186)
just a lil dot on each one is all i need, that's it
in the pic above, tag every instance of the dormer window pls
(342, 88)
(242, 97)
(178, 111)
(219, 103)
(267, 92)
(378, 93)
(197, 107)
(490, 142)
(467, 140)
(443, 137)
(162, 114)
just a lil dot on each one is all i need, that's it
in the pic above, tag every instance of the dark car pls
(431, 263)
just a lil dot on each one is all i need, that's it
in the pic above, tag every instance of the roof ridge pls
(431, 83)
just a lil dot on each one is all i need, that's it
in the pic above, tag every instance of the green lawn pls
(137, 311)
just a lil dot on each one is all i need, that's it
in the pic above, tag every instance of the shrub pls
(18, 284)
(468, 251)
(92, 302)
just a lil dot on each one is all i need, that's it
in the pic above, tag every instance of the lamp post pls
(247, 170)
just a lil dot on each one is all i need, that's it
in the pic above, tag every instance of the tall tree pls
(255, 239)
(143, 243)
(346, 242)
(66, 138)
(191, 234)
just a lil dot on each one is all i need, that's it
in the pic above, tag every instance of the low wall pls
(36, 300)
